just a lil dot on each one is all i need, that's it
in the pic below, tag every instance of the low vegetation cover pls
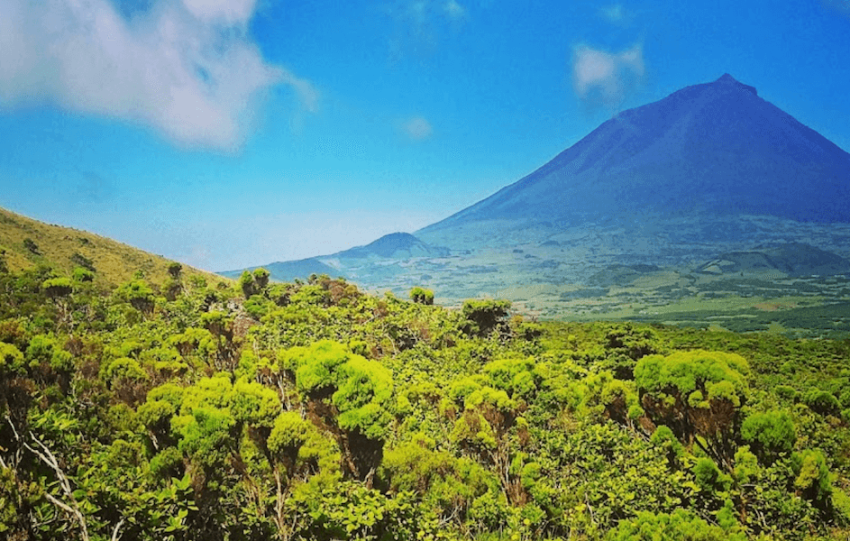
(176, 408)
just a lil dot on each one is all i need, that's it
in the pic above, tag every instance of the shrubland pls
(172, 408)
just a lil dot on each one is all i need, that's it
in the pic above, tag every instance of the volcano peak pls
(727, 79)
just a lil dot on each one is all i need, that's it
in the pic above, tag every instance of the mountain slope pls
(27, 243)
(716, 148)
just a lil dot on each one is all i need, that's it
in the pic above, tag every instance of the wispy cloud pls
(615, 13)
(842, 6)
(186, 68)
(419, 23)
(417, 128)
(454, 10)
(600, 77)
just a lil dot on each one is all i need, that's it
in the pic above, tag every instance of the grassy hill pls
(26, 243)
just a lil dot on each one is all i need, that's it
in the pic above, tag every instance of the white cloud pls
(186, 68)
(604, 76)
(417, 128)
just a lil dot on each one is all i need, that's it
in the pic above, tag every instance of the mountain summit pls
(716, 148)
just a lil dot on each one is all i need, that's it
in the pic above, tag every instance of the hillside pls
(27, 243)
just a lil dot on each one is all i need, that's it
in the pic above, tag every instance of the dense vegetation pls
(172, 408)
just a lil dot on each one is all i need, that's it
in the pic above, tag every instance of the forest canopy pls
(177, 408)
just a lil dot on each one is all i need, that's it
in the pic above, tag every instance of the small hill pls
(394, 245)
(27, 243)
(348, 264)
(793, 259)
(287, 271)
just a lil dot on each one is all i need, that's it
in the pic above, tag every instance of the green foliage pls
(420, 295)
(58, 287)
(709, 478)
(664, 438)
(82, 261)
(175, 270)
(206, 435)
(261, 278)
(11, 359)
(138, 293)
(625, 345)
(813, 478)
(822, 402)
(769, 434)
(247, 284)
(363, 395)
(680, 525)
(485, 316)
(314, 411)
(124, 369)
(82, 275)
(695, 393)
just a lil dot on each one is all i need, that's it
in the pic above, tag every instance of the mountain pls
(715, 148)
(690, 197)
(26, 243)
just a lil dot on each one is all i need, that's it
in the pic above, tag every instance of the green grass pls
(63, 248)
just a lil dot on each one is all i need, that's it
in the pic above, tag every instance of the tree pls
(139, 294)
(769, 434)
(485, 316)
(175, 270)
(625, 345)
(82, 275)
(698, 394)
(56, 288)
(351, 395)
(82, 261)
(261, 278)
(247, 284)
(422, 296)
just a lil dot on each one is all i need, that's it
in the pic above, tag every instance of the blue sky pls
(229, 133)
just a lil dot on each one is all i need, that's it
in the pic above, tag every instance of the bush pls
(680, 525)
(422, 296)
(769, 434)
(822, 402)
